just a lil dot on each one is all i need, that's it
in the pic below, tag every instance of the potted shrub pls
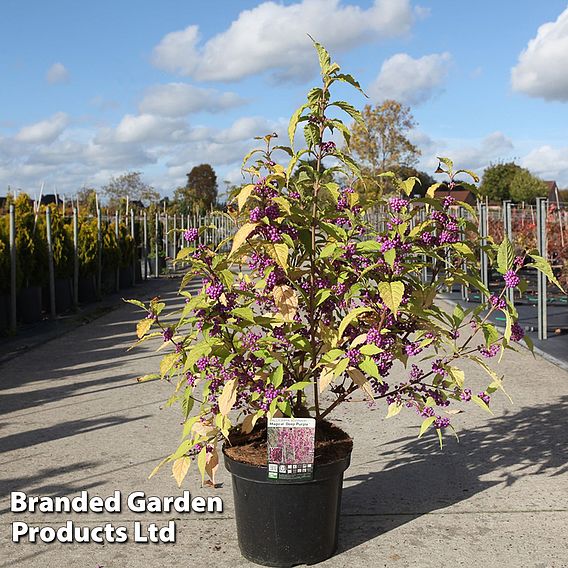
(127, 255)
(31, 250)
(88, 257)
(327, 306)
(4, 281)
(110, 258)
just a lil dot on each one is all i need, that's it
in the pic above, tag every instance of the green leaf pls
(347, 78)
(370, 349)
(490, 333)
(299, 386)
(352, 315)
(481, 403)
(323, 55)
(136, 303)
(145, 378)
(426, 423)
(245, 313)
(294, 123)
(543, 266)
(277, 376)
(312, 135)
(458, 315)
(328, 250)
(390, 256)
(370, 367)
(391, 294)
(505, 256)
(368, 246)
(340, 367)
(350, 110)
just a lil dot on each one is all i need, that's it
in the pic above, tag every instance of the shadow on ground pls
(414, 480)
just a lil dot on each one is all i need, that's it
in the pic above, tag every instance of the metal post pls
(542, 245)
(166, 244)
(145, 250)
(174, 239)
(157, 245)
(135, 257)
(53, 309)
(483, 229)
(99, 255)
(117, 235)
(508, 232)
(75, 257)
(12, 268)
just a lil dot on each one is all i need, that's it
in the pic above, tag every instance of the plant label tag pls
(291, 448)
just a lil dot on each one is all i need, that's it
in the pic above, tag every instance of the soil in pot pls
(332, 444)
(286, 523)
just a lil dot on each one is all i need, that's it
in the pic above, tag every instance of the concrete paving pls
(72, 418)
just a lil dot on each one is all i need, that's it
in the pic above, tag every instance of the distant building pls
(553, 195)
(50, 198)
(465, 195)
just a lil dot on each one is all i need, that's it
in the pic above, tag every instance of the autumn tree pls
(129, 185)
(497, 179)
(527, 187)
(382, 142)
(200, 191)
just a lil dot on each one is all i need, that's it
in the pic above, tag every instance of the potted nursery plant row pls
(312, 304)
(32, 269)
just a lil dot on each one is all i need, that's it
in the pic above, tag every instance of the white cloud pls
(473, 155)
(274, 37)
(408, 80)
(180, 99)
(548, 163)
(149, 129)
(57, 73)
(541, 70)
(45, 130)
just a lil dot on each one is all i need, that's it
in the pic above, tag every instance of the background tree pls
(200, 191)
(129, 185)
(383, 144)
(87, 201)
(526, 187)
(496, 181)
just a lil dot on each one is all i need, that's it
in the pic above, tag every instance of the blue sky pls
(92, 90)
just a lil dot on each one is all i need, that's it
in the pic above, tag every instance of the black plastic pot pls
(125, 277)
(283, 523)
(29, 304)
(87, 289)
(4, 312)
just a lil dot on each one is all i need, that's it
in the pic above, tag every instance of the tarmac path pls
(73, 418)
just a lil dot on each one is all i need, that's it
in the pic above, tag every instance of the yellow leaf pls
(157, 468)
(286, 300)
(248, 423)
(228, 397)
(212, 465)
(359, 340)
(168, 362)
(180, 468)
(203, 429)
(394, 409)
(241, 236)
(391, 293)
(359, 379)
(458, 375)
(143, 326)
(279, 252)
(326, 377)
(244, 194)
